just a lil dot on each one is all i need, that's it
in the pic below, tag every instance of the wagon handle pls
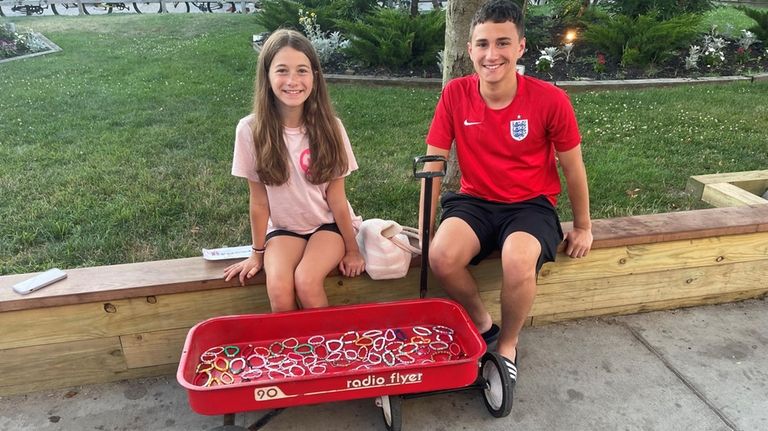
(428, 176)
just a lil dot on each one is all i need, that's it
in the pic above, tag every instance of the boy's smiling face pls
(495, 49)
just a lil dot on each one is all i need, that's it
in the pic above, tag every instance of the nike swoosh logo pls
(471, 123)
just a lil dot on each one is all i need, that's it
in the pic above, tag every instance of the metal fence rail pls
(38, 7)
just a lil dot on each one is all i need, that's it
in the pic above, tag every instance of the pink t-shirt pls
(298, 205)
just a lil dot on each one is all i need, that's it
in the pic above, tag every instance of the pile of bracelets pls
(319, 354)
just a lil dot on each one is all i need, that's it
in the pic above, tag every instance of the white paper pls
(227, 253)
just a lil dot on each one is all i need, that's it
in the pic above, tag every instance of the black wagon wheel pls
(145, 7)
(497, 393)
(391, 410)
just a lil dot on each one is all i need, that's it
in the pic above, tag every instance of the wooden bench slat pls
(112, 282)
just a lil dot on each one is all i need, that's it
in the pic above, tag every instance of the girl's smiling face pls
(291, 78)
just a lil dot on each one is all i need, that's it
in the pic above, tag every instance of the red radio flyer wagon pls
(388, 351)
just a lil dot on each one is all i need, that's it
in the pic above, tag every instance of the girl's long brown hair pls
(326, 145)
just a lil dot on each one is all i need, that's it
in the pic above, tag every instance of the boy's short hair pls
(498, 11)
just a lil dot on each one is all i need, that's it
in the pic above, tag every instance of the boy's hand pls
(578, 242)
(352, 264)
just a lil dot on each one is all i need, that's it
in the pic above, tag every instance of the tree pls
(456, 62)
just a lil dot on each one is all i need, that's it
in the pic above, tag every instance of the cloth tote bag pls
(386, 247)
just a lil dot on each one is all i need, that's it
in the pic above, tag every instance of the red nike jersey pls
(506, 155)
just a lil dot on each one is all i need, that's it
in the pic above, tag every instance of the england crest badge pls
(518, 129)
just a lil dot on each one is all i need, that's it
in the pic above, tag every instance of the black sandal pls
(491, 336)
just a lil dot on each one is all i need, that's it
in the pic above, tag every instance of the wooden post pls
(163, 9)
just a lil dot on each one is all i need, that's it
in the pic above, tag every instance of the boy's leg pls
(519, 256)
(280, 261)
(324, 251)
(454, 246)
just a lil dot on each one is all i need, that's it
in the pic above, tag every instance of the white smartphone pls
(39, 281)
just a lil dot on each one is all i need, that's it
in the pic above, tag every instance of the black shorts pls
(329, 227)
(493, 222)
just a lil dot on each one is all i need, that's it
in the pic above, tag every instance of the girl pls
(295, 154)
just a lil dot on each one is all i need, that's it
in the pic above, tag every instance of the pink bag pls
(387, 248)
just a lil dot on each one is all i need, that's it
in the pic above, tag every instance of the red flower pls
(600, 58)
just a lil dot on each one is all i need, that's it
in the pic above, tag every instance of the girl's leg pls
(323, 253)
(280, 260)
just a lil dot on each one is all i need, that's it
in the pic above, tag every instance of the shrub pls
(761, 28)
(643, 40)
(394, 39)
(327, 45)
(279, 14)
(665, 9)
(285, 13)
(578, 12)
(538, 31)
(429, 31)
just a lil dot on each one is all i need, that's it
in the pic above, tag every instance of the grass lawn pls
(118, 149)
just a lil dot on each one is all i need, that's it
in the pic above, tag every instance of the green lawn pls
(118, 149)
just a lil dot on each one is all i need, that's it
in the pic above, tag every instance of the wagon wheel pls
(391, 409)
(496, 390)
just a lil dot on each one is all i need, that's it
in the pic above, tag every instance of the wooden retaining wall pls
(126, 321)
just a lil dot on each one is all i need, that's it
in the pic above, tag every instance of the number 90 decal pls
(268, 393)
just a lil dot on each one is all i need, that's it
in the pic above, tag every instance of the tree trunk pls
(414, 7)
(456, 63)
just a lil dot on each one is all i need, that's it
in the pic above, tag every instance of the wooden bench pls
(125, 321)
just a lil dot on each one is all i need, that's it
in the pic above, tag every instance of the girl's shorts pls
(329, 227)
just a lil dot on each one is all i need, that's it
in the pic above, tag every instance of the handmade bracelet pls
(231, 351)
(237, 365)
(217, 363)
(420, 330)
(259, 250)
(226, 379)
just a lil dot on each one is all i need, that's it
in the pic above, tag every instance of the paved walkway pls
(702, 368)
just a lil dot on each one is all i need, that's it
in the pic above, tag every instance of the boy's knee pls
(443, 261)
(519, 268)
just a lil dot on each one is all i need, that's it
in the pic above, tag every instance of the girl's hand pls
(352, 264)
(246, 268)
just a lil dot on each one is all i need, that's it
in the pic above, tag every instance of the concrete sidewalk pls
(702, 368)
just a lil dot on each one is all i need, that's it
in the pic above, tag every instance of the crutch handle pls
(423, 160)
(426, 218)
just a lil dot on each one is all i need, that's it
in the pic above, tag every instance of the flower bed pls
(14, 43)
(711, 55)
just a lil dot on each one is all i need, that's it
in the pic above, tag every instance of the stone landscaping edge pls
(52, 47)
(570, 86)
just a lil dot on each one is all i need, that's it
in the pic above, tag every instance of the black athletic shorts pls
(493, 222)
(329, 227)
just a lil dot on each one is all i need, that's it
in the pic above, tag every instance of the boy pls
(508, 129)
